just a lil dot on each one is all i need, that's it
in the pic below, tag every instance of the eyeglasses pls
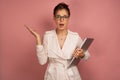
(58, 17)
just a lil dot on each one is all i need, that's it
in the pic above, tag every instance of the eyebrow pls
(60, 15)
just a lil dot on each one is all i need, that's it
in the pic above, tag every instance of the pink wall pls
(90, 18)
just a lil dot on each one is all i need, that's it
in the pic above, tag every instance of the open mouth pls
(61, 25)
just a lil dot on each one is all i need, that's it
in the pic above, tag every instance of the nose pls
(61, 19)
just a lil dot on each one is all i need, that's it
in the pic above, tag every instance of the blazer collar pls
(62, 52)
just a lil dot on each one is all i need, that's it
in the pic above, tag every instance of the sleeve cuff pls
(87, 55)
(39, 48)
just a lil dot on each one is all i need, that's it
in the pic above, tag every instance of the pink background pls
(99, 19)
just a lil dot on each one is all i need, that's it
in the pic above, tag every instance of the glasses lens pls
(59, 17)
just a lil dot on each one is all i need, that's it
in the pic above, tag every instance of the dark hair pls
(60, 6)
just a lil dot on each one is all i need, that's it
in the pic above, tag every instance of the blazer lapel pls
(67, 49)
(69, 45)
(66, 46)
(54, 47)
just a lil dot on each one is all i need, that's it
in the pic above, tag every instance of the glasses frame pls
(58, 17)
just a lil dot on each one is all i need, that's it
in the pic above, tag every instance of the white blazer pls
(59, 58)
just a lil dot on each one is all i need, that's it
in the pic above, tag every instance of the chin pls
(61, 28)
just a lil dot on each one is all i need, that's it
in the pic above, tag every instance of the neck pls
(61, 32)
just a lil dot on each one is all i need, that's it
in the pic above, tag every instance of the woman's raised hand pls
(37, 36)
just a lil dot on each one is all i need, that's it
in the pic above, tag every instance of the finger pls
(26, 27)
(76, 55)
(80, 50)
(77, 49)
(29, 29)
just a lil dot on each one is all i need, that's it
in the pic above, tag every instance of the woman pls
(59, 45)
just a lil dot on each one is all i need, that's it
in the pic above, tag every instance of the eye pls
(57, 16)
(66, 16)
(61, 17)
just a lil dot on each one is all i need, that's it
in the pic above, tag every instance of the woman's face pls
(61, 19)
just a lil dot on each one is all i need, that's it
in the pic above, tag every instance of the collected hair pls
(61, 6)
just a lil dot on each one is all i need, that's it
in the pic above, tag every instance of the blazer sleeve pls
(87, 54)
(42, 51)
